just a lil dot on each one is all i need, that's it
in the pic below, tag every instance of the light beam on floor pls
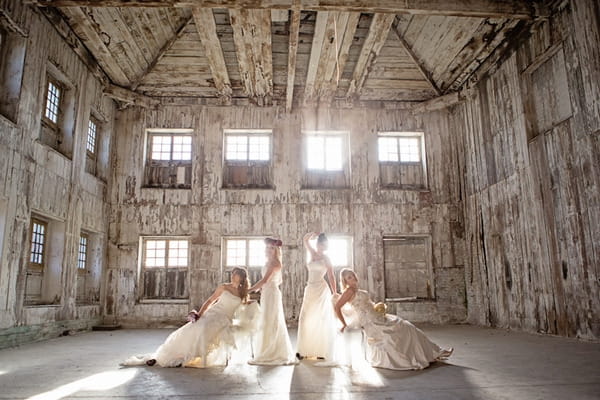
(98, 382)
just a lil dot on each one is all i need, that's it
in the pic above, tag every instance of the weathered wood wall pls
(37, 179)
(531, 149)
(207, 212)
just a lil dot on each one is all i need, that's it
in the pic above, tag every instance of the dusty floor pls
(487, 364)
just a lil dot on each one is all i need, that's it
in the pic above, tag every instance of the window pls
(59, 111)
(165, 263)
(401, 160)
(247, 158)
(248, 252)
(52, 108)
(91, 146)
(169, 158)
(43, 283)
(407, 266)
(12, 61)
(326, 160)
(38, 243)
(91, 136)
(82, 254)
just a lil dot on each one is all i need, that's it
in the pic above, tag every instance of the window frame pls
(323, 179)
(167, 239)
(151, 133)
(97, 128)
(429, 267)
(86, 237)
(167, 168)
(50, 79)
(422, 163)
(248, 173)
(248, 133)
(247, 239)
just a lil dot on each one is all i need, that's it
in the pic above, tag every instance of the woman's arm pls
(346, 297)
(307, 245)
(271, 268)
(214, 297)
(330, 276)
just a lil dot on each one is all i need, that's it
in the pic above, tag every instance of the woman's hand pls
(343, 328)
(193, 316)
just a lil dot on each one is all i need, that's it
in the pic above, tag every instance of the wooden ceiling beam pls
(252, 39)
(315, 56)
(518, 9)
(378, 33)
(134, 85)
(129, 97)
(84, 28)
(293, 51)
(207, 30)
(414, 58)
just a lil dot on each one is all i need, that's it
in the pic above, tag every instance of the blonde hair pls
(244, 282)
(343, 275)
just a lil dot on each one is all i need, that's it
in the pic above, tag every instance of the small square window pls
(324, 152)
(91, 137)
(247, 159)
(82, 254)
(245, 252)
(38, 242)
(247, 146)
(164, 268)
(53, 94)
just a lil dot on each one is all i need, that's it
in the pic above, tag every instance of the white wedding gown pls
(316, 325)
(273, 346)
(204, 343)
(393, 342)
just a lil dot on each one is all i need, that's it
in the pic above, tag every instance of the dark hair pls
(244, 282)
(273, 242)
(322, 238)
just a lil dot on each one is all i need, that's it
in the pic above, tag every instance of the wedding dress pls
(273, 346)
(393, 342)
(204, 343)
(316, 324)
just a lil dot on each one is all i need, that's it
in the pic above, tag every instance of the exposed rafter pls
(519, 9)
(414, 57)
(207, 30)
(129, 97)
(161, 53)
(327, 64)
(438, 103)
(252, 38)
(378, 33)
(83, 27)
(293, 50)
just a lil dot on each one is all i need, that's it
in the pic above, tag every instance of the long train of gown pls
(203, 343)
(393, 342)
(273, 346)
(316, 324)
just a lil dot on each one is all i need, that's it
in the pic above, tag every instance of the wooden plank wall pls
(531, 207)
(207, 213)
(37, 179)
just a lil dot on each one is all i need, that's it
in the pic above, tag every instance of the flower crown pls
(273, 242)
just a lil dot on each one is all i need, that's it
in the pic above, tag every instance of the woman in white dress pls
(392, 342)
(273, 346)
(207, 338)
(316, 329)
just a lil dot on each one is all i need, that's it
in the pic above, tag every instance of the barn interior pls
(450, 151)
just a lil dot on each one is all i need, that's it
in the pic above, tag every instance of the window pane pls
(258, 148)
(235, 253)
(155, 253)
(315, 151)
(236, 147)
(91, 137)
(182, 147)
(256, 253)
(161, 147)
(388, 148)
(37, 243)
(409, 149)
(333, 153)
(52, 102)
(82, 252)
(178, 253)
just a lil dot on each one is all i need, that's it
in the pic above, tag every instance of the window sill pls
(331, 188)
(42, 305)
(410, 300)
(164, 301)
(247, 188)
(165, 188)
(404, 188)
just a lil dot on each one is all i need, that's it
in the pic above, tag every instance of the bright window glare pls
(324, 153)
(338, 251)
(98, 382)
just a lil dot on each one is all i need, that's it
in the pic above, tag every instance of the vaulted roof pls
(293, 51)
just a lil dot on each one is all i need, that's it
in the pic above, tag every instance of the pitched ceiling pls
(293, 51)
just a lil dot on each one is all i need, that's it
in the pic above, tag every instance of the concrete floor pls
(487, 364)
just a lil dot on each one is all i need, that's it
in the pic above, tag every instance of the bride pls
(273, 342)
(206, 339)
(316, 331)
(392, 342)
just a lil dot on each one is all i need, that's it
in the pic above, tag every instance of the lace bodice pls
(275, 278)
(226, 305)
(316, 271)
(364, 309)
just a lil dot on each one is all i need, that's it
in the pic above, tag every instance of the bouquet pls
(193, 316)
